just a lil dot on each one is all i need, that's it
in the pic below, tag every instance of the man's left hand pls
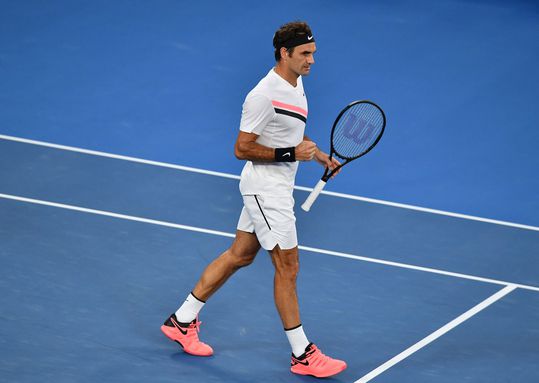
(324, 160)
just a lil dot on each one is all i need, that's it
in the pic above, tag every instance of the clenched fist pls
(305, 151)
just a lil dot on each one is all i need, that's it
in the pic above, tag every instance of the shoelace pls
(317, 358)
(196, 326)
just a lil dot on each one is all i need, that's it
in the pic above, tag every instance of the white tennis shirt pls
(277, 112)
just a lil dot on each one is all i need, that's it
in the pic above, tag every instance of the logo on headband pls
(298, 40)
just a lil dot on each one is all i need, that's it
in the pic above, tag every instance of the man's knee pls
(243, 251)
(242, 258)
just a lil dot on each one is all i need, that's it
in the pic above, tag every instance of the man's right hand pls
(305, 151)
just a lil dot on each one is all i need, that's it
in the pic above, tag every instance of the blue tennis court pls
(118, 186)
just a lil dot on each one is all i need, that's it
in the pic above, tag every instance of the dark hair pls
(287, 32)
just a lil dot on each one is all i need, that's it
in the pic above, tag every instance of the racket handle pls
(313, 196)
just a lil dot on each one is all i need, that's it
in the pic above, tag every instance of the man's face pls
(301, 59)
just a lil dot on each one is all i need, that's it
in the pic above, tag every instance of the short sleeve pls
(256, 114)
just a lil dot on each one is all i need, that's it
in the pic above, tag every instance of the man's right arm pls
(246, 148)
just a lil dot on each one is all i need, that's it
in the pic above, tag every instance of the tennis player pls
(272, 141)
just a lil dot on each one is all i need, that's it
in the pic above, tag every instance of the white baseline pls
(233, 176)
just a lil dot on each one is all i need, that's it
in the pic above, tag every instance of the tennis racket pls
(357, 130)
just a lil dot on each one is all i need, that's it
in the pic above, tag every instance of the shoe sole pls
(164, 331)
(320, 376)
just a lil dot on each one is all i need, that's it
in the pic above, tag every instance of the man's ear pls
(284, 52)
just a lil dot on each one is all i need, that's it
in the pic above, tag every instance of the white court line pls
(116, 215)
(436, 334)
(418, 268)
(231, 235)
(233, 176)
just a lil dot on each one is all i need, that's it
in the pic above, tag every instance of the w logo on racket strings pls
(358, 130)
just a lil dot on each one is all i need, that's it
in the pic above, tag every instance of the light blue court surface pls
(84, 293)
(96, 252)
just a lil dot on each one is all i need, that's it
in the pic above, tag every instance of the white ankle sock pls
(298, 340)
(189, 309)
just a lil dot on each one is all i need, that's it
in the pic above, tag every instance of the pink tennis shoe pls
(186, 336)
(314, 363)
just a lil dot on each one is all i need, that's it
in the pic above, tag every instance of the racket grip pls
(313, 196)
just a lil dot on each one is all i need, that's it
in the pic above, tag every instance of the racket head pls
(357, 129)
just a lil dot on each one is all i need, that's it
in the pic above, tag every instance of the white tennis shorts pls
(272, 219)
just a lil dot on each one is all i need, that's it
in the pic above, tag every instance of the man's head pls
(294, 46)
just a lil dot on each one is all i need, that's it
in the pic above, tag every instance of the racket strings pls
(357, 130)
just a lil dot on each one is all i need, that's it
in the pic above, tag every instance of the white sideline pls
(231, 235)
(233, 176)
(436, 334)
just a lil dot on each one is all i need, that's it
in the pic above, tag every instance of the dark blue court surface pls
(96, 251)
(458, 80)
